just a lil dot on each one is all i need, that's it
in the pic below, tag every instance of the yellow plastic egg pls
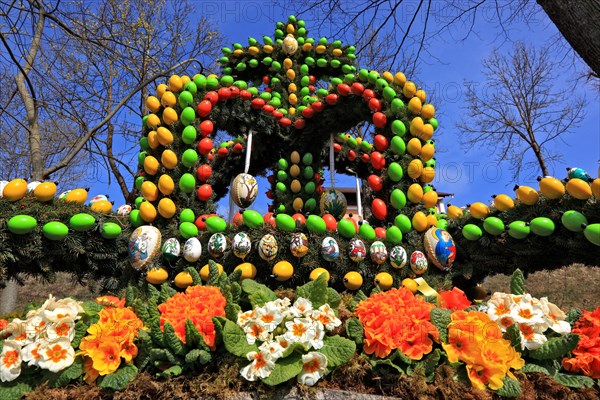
(503, 202)
(427, 152)
(291, 74)
(292, 87)
(248, 270)
(290, 28)
(153, 103)
(149, 191)
(399, 79)
(153, 140)
(415, 168)
(431, 220)
(283, 270)
(45, 191)
(419, 221)
(185, 79)
(147, 211)
(175, 83)
(160, 90)
(166, 208)
(416, 126)
(294, 170)
(268, 49)
(552, 188)
(415, 193)
(297, 204)
(153, 121)
(287, 63)
(295, 157)
(157, 276)
(165, 137)
(320, 49)
(102, 207)
(205, 271)
(151, 165)
(78, 196)
(387, 75)
(15, 190)
(293, 99)
(413, 147)
(427, 111)
(479, 210)
(384, 280)
(168, 99)
(421, 95)
(414, 105)
(169, 159)
(579, 189)
(596, 187)
(527, 195)
(409, 90)
(170, 116)
(183, 280)
(253, 50)
(430, 199)
(427, 175)
(454, 212)
(295, 186)
(166, 185)
(315, 273)
(306, 46)
(353, 280)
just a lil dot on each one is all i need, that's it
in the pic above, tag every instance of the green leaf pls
(315, 291)
(14, 390)
(294, 347)
(156, 334)
(131, 293)
(574, 381)
(386, 361)
(250, 287)
(219, 323)
(513, 335)
(355, 330)
(64, 377)
(213, 274)
(333, 298)
(285, 369)
(402, 357)
(119, 379)
(235, 342)
(258, 299)
(80, 331)
(198, 356)
(529, 368)
(441, 319)
(236, 291)
(358, 297)
(141, 310)
(430, 364)
(144, 347)
(153, 309)
(91, 308)
(573, 315)
(162, 355)
(555, 348)
(166, 292)
(196, 279)
(193, 338)
(236, 276)
(338, 350)
(172, 340)
(511, 388)
(153, 292)
(517, 282)
(175, 370)
(30, 307)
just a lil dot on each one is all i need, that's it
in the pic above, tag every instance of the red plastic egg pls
(379, 120)
(299, 218)
(379, 209)
(375, 183)
(330, 222)
(212, 96)
(269, 219)
(206, 128)
(204, 192)
(343, 89)
(205, 146)
(204, 108)
(380, 142)
(204, 172)
(380, 232)
(377, 160)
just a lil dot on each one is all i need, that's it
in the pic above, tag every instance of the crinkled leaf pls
(430, 364)
(64, 377)
(193, 338)
(315, 291)
(236, 276)
(333, 298)
(91, 308)
(80, 331)
(213, 274)
(153, 308)
(198, 356)
(573, 315)
(231, 307)
(162, 355)
(258, 299)
(119, 379)
(398, 355)
(196, 279)
(529, 368)
(376, 290)
(513, 335)
(285, 369)
(235, 342)
(355, 330)
(338, 350)
(156, 334)
(574, 381)
(141, 310)
(144, 347)
(172, 340)
(386, 361)
(14, 390)
(517, 283)
(131, 293)
(166, 292)
(555, 348)
(153, 293)
(511, 388)
(250, 287)
(219, 323)
(294, 347)
(440, 318)
(174, 370)
(236, 292)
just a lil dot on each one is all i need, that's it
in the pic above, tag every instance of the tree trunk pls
(578, 21)
(540, 158)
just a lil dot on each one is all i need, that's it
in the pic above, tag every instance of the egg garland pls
(398, 257)
(440, 248)
(268, 247)
(299, 245)
(418, 262)
(241, 245)
(217, 245)
(378, 252)
(144, 245)
(244, 190)
(330, 250)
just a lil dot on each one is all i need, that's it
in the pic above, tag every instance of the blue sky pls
(471, 176)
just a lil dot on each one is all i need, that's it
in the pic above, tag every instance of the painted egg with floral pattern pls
(398, 257)
(241, 245)
(192, 249)
(378, 252)
(124, 210)
(330, 250)
(418, 262)
(299, 245)
(217, 244)
(267, 247)
(171, 249)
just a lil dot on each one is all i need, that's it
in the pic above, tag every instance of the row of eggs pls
(268, 248)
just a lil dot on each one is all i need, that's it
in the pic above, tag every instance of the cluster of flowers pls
(276, 326)
(533, 317)
(43, 339)
(199, 304)
(397, 319)
(453, 300)
(587, 353)
(110, 339)
(476, 340)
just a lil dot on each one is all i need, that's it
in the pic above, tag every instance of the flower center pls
(63, 329)
(267, 318)
(56, 353)
(259, 360)
(10, 358)
(312, 366)
(525, 313)
(501, 310)
(298, 329)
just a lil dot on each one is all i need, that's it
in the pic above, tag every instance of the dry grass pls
(576, 285)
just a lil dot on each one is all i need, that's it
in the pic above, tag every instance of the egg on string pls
(267, 247)
(244, 190)
(398, 257)
(330, 250)
(217, 244)
(440, 248)
(124, 210)
(378, 252)
(98, 198)
(418, 262)
(357, 250)
(144, 245)
(171, 249)
(241, 245)
(32, 185)
(64, 195)
(333, 202)
(192, 249)
(299, 245)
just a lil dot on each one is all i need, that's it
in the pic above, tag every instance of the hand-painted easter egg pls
(244, 190)
(398, 257)
(299, 245)
(440, 248)
(333, 202)
(55, 230)
(192, 249)
(267, 247)
(124, 209)
(418, 262)
(330, 250)
(357, 251)
(97, 198)
(32, 185)
(241, 245)
(217, 244)
(171, 249)
(378, 252)
(144, 244)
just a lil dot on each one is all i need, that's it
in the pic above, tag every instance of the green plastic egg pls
(82, 222)
(366, 231)
(285, 222)
(135, 218)
(403, 222)
(281, 187)
(393, 235)
(309, 188)
(346, 228)
(138, 182)
(188, 230)
(188, 136)
(315, 224)
(55, 230)
(493, 226)
(573, 220)
(397, 105)
(395, 172)
(200, 81)
(310, 204)
(252, 219)
(308, 172)
(398, 199)
(281, 175)
(110, 230)
(542, 226)
(187, 215)
(307, 159)
(187, 183)
(398, 127)
(389, 93)
(215, 224)
(471, 232)
(592, 233)
(21, 224)
(442, 224)
(518, 229)
(398, 146)
(189, 157)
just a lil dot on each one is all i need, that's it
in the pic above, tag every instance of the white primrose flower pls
(273, 348)
(314, 367)
(261, 366)
(244, 318)
(282, 341)
(16, 332)
(31, 353)
(56, 355)
(525, 313)
(317, 341)
(255, 331)
(300, 330)
(555, 317)
(35, 327)
(269, 316)
(64, 327)
(10, 361)
(531, 336)
(302, 307)
(326, 316)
